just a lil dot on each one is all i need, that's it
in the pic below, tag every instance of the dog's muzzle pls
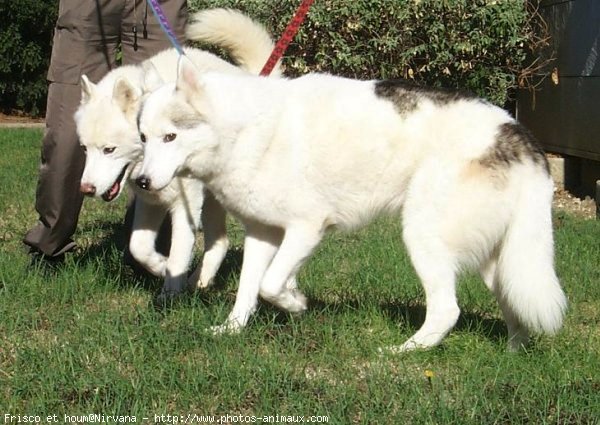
(143, 182)
(88, 189)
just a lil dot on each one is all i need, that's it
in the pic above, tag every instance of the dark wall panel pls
(564, 117)
(565, 113)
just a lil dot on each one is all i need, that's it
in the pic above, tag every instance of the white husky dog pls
(293, 159)
(107, 127)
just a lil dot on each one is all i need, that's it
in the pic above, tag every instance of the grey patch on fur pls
(139, 116)
(406, 95)
(187, 122)
(183, 116)
(514, 143)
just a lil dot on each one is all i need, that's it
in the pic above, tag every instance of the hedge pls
(25, 47)
(477, 45)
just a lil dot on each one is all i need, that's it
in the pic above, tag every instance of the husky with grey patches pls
(107, 128)
(293, 159)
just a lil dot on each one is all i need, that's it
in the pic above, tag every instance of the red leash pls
(287, 37)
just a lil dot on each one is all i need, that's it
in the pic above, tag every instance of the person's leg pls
(84, 42)
(58, 200)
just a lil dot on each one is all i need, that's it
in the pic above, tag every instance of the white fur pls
(245, 39)
(295, 158)
(107, 127)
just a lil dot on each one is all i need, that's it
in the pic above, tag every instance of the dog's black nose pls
(143, 182)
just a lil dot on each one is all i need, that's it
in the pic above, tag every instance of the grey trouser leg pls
(86, 38)
(58, 199)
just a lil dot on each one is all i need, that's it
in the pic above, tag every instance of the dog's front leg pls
(278, 284)
(215, 242)
(260, 245)
(146, 222)
(185, 219)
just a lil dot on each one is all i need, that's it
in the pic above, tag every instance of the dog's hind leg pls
(260, 244)
(434, 266)
(278, 285)
(216, 243)
(146, 222)
(434, 261)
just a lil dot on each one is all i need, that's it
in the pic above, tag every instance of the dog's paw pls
(394, 349)
(227, 328)
(300, 303)
(204, 284)
(292, 301)
(200, 280)
(157, 265)
(410, 345)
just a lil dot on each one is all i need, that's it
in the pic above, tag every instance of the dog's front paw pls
(157, 265)
(395, 349)
(411, 344)
(230, 327)
(200, 279)
(201, 283)
(292, 301)
(300, 303)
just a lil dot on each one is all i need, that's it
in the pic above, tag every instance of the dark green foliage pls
(475, 45)
(25, 46)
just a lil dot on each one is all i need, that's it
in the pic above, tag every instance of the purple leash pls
(164, 24)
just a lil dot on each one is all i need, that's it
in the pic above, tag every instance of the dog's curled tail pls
(526, 273)
(247, 41)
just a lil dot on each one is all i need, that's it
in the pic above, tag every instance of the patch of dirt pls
(565, 201)
(19, 119)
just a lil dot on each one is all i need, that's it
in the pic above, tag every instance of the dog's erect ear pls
(124, 94)
(87, 89)
(188, 78)
(152, 78)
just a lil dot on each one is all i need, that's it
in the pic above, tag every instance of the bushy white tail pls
(247, 41)
(527, 280)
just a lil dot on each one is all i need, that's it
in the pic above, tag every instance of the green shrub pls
(25, 47)
(475, 45)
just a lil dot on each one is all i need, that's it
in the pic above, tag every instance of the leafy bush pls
(25, 47)
(476, 45)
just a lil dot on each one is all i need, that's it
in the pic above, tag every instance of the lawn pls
(86, 337)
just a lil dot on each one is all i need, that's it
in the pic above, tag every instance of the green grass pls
(86, 337)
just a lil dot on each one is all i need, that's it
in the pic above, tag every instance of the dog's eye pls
(143, 137)
(169, 137)
(108, 151)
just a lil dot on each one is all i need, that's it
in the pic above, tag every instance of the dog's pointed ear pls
(125, 94)
(87, 89)
(188, 78)
(152, 78)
